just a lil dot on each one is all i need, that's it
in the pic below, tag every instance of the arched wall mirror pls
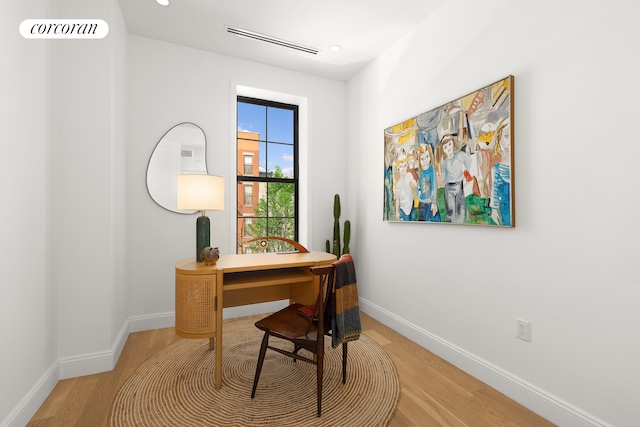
(183, 149)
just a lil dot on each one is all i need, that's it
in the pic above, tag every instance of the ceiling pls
(364, 28)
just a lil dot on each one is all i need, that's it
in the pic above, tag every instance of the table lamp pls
(201, 192)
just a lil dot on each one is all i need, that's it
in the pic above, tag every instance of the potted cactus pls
(339, 248)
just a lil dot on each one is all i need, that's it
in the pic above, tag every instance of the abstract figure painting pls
(454, 164)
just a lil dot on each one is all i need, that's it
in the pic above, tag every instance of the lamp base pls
(203, 235)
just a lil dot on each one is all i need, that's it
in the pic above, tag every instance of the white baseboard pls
(542, 403)
(76, 366)
(153, 321)
(30, 403)
(168, 319)
(93, 363)
(528, 395)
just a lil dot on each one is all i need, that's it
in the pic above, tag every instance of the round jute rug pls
(175, 387)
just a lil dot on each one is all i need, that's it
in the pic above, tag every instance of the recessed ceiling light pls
(335, 48)
(163, 2)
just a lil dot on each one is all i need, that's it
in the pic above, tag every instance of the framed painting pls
(454, 164)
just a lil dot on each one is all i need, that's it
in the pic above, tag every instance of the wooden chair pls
(305, 332)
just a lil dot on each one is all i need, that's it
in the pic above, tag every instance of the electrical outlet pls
(523, 329)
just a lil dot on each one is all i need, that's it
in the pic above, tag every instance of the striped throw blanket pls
(345, 322)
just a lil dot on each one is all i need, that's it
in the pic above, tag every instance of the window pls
(267, 177)
(248, 164)
(248, 194)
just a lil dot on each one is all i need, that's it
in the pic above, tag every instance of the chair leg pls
(320, 372)
(263, 351)
(344, 363)
(296, 349)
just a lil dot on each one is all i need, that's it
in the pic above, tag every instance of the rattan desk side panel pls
(195, 304)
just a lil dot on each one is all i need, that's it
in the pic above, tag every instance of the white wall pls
(85, 249)
(569, 265)
(24, 308)
(63, 214)
(119, 178)
(87, 184)
(170, 84)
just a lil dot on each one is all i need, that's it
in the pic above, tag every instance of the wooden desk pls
(202, 291)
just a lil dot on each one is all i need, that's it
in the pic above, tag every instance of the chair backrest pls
(323, 306)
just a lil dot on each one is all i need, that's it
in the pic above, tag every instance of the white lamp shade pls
(200, 192)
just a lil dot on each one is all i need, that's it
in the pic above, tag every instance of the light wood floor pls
(433, 392)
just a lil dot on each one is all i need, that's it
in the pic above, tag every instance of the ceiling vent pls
(268, 39)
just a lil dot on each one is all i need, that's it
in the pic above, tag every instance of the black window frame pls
(265, 177)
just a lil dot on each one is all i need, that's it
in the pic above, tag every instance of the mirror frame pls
(206, 167)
